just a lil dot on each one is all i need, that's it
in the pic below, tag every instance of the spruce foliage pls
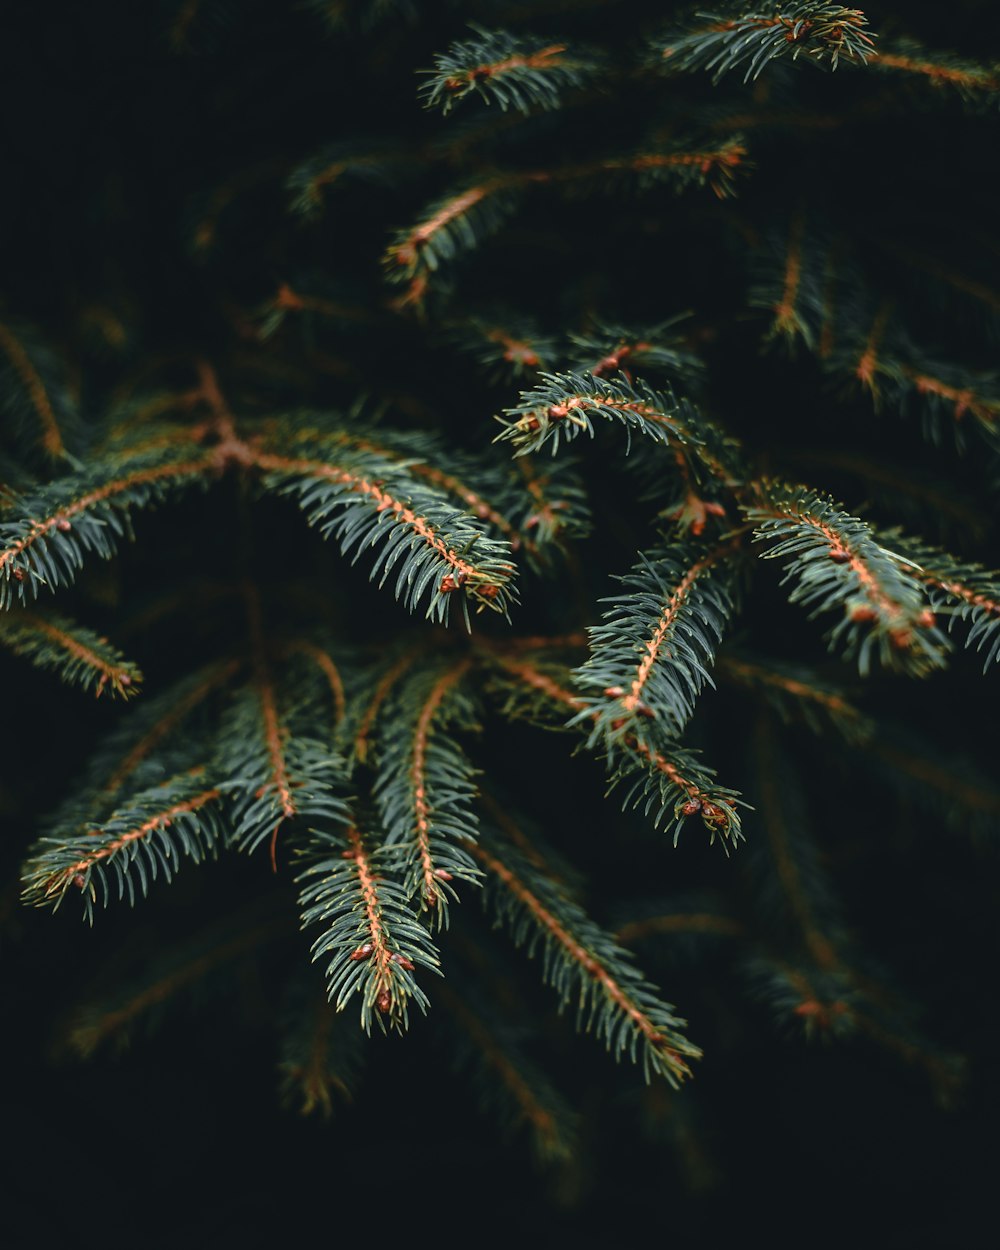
(606, 303)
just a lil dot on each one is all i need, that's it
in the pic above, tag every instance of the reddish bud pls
(443, 874)
(363, 951)
(384, 1002)
(18, 575)
(862, 612)
(403, 962)
(125, 680)
(927, 619)
(614, 692)
(691, 808)
(488, 591)
(63, 525)
(839, 556)
(79, 880)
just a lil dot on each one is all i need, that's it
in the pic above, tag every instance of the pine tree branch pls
(458, 222)
(959, 590)
(974, 84)
(580, 959)
(514, 70)
(159, 719)
(76, 654)
(127, 851)
(818, 33)
(319, 1053)
(672, 611)
(424, 788)
(838, 563)
(431, 539)
(97, 1022)
(667, 781)
(59, 523)
(324, 662)
(797, 693)
(509, 1080)
(564, 406)
(371, 938)
(53, 410)
(381, 691)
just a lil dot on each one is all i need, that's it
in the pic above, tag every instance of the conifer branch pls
(651, 657)
(610, 348)
(523, 1096)
(837, 562)
(411, 454)
(458, 222)
(974, 84)
(158, 720)
(58, 524)
(959, 591)
(564, 406)
(320, 1053)
(43, 400)
(439, 549)
(78, 655)
(126, 852)
(271, 773)
(324, 662)
(424, 787)
(665, 780)
(797, 693)
(514, 70)
(580, 960)
(819, 33)
(680, 922)
(381, 691)
(100, 1021)
(555, 507)
(371, 939)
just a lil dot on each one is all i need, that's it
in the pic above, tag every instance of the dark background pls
(113, 145)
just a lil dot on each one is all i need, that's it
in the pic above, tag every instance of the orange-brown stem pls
(379, 696)
(381, 955)
(543, 59)
(418, 775)
(832, 702)
(274, 734)
(542, 1120)
(116, 675)
(52, 439)
(581, 956)
(680, 922)
(358, 484)
(938, 74)
(668, 618)
(186, 468)
(784, 311)
(60, 880)
(329, 670)
(176, 714)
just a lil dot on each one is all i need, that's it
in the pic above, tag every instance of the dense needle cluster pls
(527, 433)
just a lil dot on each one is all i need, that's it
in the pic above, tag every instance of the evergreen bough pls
(346, 735)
